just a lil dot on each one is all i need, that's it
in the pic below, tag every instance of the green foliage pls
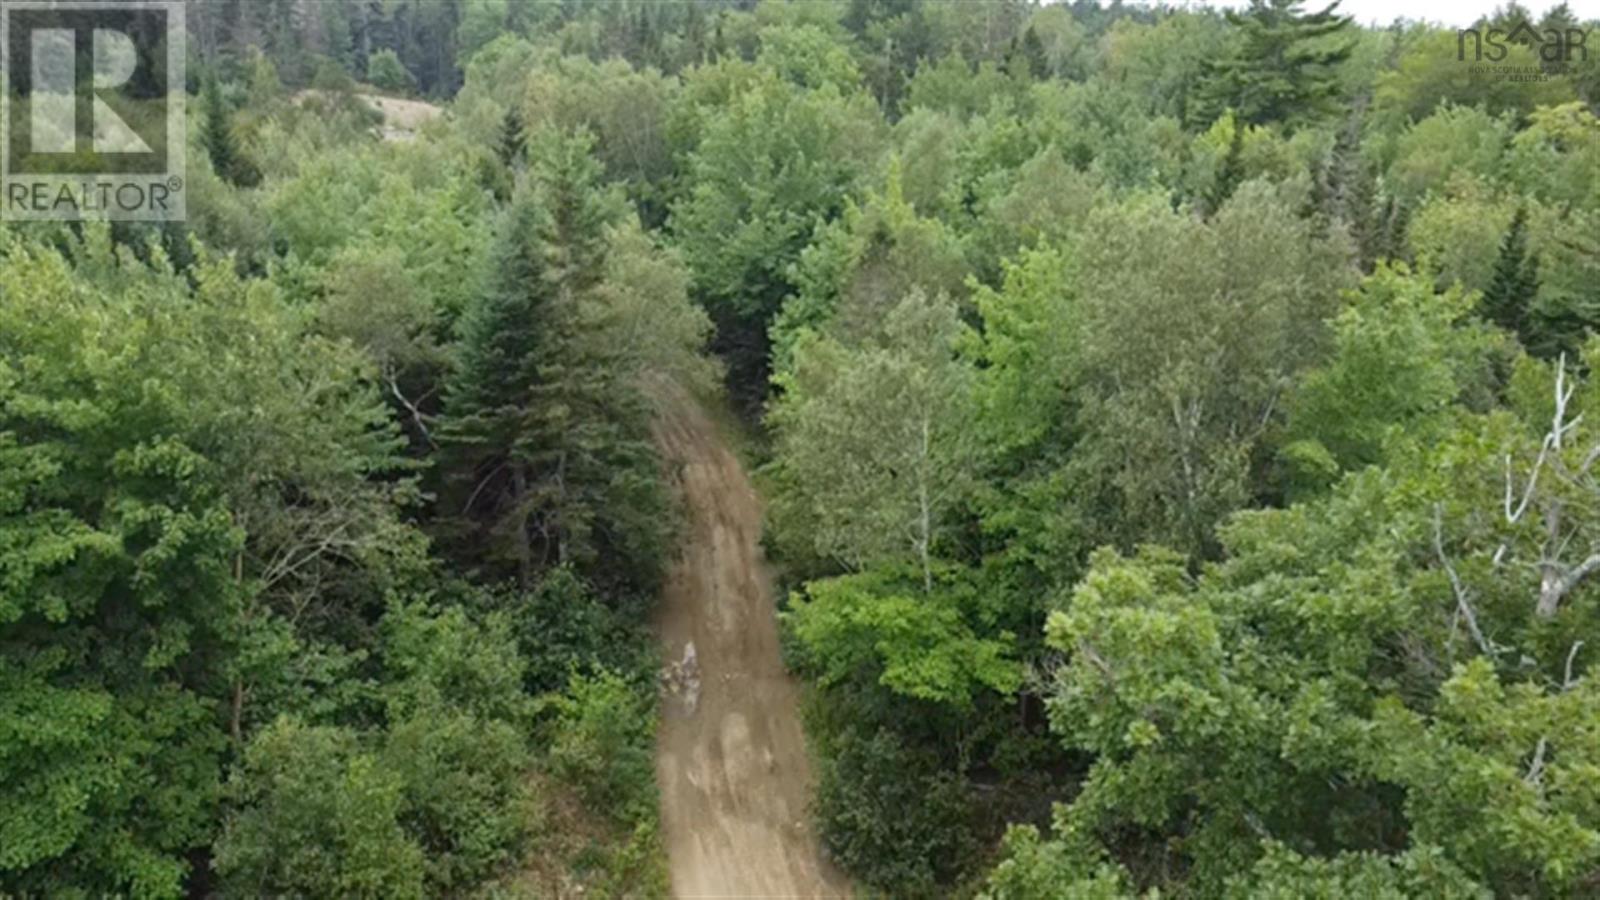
(1418, 872)
(602, 738)
(890, 814)
(465, 799)
(951, 86)
(1436, 66)
(873, 449)
(217, 137)
(544, 430)
(1032, 868)
(858, 266)
(449, 661)
(1010, 281)
(1403, 356)
(362, 205)
(808, 57)
(388, 73)
(1557, 156)
(1230, 171)
(1454, 142)
(1234, 306)
(1028, 366)
(628, 111)
(768, 166)
(1162, 62)
(153, 431)
(564, 626)
(1515, 281)
(1457, 233)
(1311, 689)
(1283, 68)
(919, 645)
(320, 819)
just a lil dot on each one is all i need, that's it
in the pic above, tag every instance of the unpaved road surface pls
(730, 756)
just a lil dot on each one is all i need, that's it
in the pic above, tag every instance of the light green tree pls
(1189, 336)
(873, 443)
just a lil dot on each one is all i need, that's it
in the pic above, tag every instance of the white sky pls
(1447, 12)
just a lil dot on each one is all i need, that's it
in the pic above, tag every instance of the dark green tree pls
(1283, 69)
(513, 139)
(487, 400)
(1345, 193)
(1394, 229)
(1229, 173)
(216, 135)
(1032, 51)
(1516, 280)
(544, 449)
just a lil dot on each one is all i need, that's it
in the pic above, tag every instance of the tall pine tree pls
(545, 451)
(1283, 69)
(215, 134)
(512, 139)
(1345, 192)
(1229, 172)
(1509, 298)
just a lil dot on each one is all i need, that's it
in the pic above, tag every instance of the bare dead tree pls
(1548, 480)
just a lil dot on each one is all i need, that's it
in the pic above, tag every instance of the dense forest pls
(1176, 429)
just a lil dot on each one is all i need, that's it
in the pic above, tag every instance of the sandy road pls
(730, 755)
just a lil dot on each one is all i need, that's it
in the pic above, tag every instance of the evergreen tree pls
(215, 134)
(1344, 191)
(1032, 51)
(512, 138)
(545, 452)
(1515, 20)
(1283, 68)
(1229, 173)
(487, 401)
(719, 43)
(1516, 280)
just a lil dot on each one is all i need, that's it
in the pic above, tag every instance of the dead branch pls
(1556, 587)
(1463, 602)
(1536, 768)
(416, 414)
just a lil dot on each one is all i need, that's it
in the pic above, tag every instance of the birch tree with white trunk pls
(875, 442)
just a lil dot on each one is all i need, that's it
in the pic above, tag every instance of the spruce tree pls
(1345, 192)
(512, 139)
(486, 397)
(1510, 294)
(544, 452)
(215, 134)
(1033, 52)
(1283, 70)
(1229, 173)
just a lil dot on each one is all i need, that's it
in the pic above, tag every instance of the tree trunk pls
(519, 482)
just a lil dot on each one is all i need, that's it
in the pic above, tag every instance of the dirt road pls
(730, 756)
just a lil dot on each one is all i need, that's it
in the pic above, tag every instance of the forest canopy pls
(1177, 430)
